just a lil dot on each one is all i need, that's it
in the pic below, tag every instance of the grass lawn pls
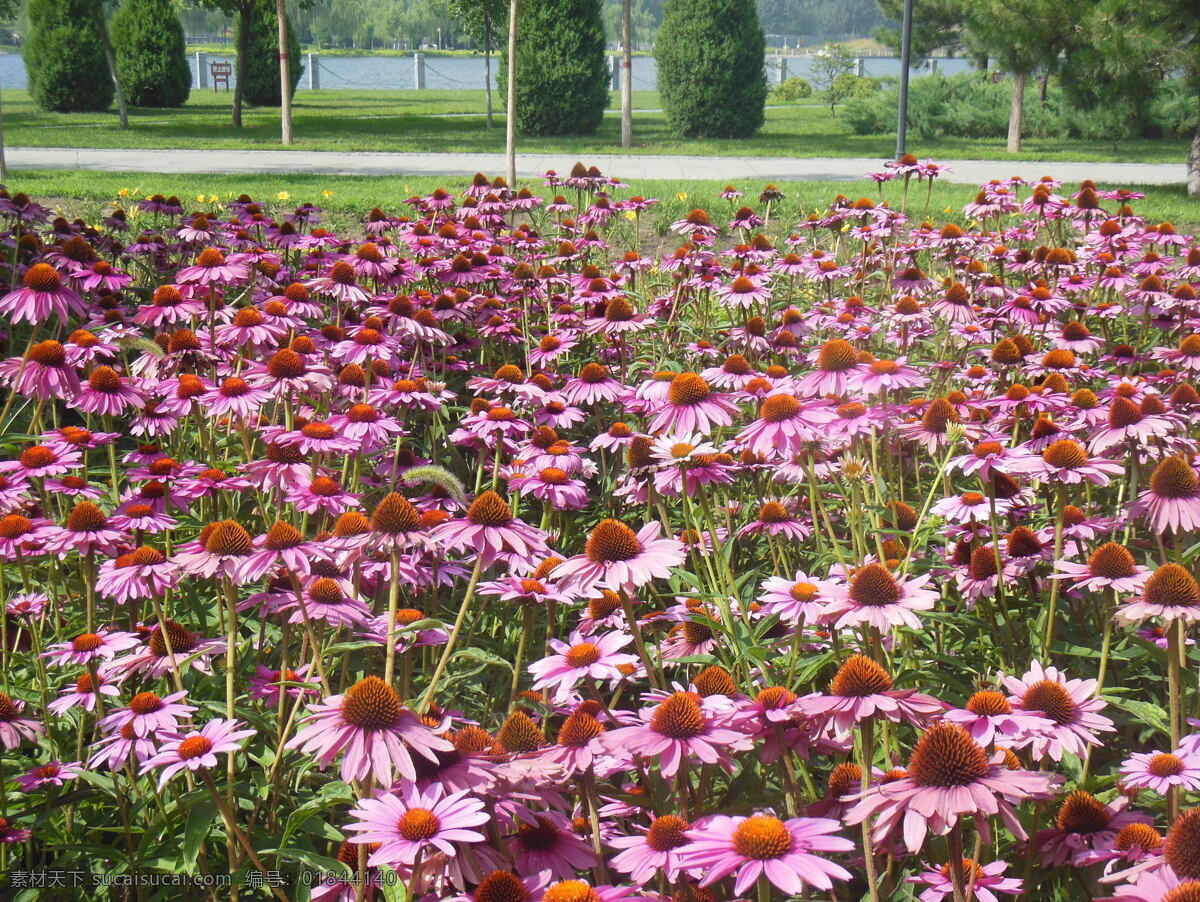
(414, 121)
(347, 199)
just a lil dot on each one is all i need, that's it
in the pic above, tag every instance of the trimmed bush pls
(562, 71)
(792, 90)
(710, 68)
(64, 59)
(261, 86)
(151, 56)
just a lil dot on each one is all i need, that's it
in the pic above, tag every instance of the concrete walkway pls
(631, 167)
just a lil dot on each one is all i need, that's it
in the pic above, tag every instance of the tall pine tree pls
(562, 72)
(64, 58)
(710, 68)
(151, 54)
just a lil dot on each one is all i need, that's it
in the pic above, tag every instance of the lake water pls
(467, 72)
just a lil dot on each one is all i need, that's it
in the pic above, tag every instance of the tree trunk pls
(239, 77)
(487, 63)
(285, 75)
(626, 76)
(3, 161)
(1193, 165)
(111, 59)
(1043, 88)
(1016, 114)
(510, 137)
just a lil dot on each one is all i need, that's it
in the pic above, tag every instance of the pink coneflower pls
(1110, 566)
(617, 558)
(596, 657)
(863, 689)
(692, 407)
(52, 773)
(43, 372)
(370, 724)
(148, 713)
(545, 842)
(490, 529)
(82, 693)
(87, 530)
(211, 268)
(880, 376)
(676, 729)
(264, 685)
(406, 825)
(875, 597)
(1173, 500)
(949, 776)
(98, 646)
(785, 426)
(41, 297)
(836, 362)
(774, 519)
(1070, 704)
(197, 749)
(764, 845)
(1084, 824)
(13, 727)
(324, 493)
(142, 573)
(1065, 461)
(1169, 593)
(985, 881)
(1161, 771)
(794, 600)
(221, 549)
(652, 849)
(11, 834)
(108, 393)
(552, 486)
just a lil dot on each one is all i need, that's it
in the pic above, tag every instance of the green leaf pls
(198, 826)
(1146, 713)
(394, 889)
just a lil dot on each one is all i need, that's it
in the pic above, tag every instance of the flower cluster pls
(482, 548)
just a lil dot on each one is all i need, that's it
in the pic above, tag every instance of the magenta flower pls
(986, 880)
(405, 825)
(148, 713)
(596, 657)
(41, 297)
(949, 776)
(97, 646)
(372, 728)
(13, 727)
(676, 729)
(1160, 771)
(617, 558)
(862, 689)
(877, 598)
(1173, 500)
(490, 530)
(52, 773)
(197, 749)
(1070, 704)
(692, 407)
(762, 844)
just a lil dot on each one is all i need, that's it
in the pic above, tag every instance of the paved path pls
(633, 167)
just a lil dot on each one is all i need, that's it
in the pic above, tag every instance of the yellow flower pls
(846, 227)
(326, 193)
(214, 199)
(283, 195)
(124, 192)
(630, 215)
(682, 195)
(948, 210)
(200, 198)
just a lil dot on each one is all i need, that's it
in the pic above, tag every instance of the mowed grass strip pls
(432, 121)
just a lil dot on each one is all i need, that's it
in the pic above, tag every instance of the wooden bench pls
(221, 73)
